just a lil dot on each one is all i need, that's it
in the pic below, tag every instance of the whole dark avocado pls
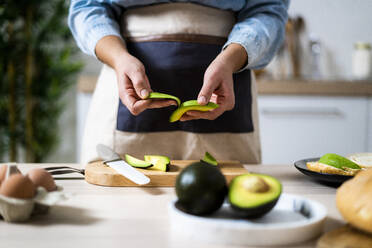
(201, 189)
(254, 195)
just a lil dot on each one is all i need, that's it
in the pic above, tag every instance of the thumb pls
(141, 85)
(206, 92)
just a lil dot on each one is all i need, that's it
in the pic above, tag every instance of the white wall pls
(338, 24)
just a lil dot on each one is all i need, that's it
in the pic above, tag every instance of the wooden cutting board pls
(100, 174)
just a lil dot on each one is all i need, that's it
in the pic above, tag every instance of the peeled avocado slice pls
(161, 163)
(191, 105)
(338, 161)
(253, 195)
(208, 158)
(138, 163)
(158, 95)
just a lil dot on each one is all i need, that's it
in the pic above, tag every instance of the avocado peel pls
(338, 161)
(158, 95)
(191, 105)
(209, 159)
(138, 163)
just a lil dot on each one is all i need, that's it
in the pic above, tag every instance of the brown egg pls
(18, 186)
(42, 178)
(3, 170)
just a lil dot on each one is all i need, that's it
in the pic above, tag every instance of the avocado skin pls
(201, 189)
(256, 212)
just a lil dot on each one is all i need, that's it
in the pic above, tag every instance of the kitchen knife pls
(113, 160)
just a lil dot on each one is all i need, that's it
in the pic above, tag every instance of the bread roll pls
(354, 200)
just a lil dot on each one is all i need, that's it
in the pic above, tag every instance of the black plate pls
(323, 177)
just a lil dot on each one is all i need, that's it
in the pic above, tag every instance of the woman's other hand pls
(218, 85)
(133, 84)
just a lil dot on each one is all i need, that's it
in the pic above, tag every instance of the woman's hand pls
(218, 85)
(133, 84)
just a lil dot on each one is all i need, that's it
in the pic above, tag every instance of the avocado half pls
(201, 189)
(191, 105)
(253, 195)
(158, 95)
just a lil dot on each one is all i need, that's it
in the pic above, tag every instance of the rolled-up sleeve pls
(90, 21)
(260, 29)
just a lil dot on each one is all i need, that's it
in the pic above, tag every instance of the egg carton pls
(18, 210)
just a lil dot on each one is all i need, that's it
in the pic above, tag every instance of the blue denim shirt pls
(259, 28)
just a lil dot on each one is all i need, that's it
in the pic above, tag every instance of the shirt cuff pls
(249, 43)
(97, 32)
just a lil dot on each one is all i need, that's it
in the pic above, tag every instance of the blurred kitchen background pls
(315, 97)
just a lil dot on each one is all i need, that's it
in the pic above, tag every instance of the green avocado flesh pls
(208, 158)
(191, 105)
(161, 163)
(201, 189)
(157, 95)
(138, 163)
(253, 195)
(338, 161)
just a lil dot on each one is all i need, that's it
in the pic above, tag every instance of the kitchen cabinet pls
(298, 127)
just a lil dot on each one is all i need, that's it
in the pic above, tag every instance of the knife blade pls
(113, 160)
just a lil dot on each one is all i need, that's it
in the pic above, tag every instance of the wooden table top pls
(96, 216)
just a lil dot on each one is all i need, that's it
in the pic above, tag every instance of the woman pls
(200, 50)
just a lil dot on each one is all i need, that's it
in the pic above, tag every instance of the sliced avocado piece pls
(138, 163)
(161, 163)
(158, 95)
(253, 195)
(191, 105)
(201, 189)
(338, 161)
(208, 158)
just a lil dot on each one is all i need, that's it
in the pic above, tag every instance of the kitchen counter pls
(96, 216)
(87, 84)
(315, 88)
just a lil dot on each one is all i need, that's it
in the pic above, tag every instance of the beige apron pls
(166, 22)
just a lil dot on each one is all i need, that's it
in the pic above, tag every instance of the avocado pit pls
(255, 184)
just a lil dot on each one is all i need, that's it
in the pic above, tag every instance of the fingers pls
(208, 115)
(139, 106)
(128, 95)
(160, 103)
(129, 98)
(140, 81)
(209, 86)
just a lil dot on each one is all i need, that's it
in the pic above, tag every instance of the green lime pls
(338, 161)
